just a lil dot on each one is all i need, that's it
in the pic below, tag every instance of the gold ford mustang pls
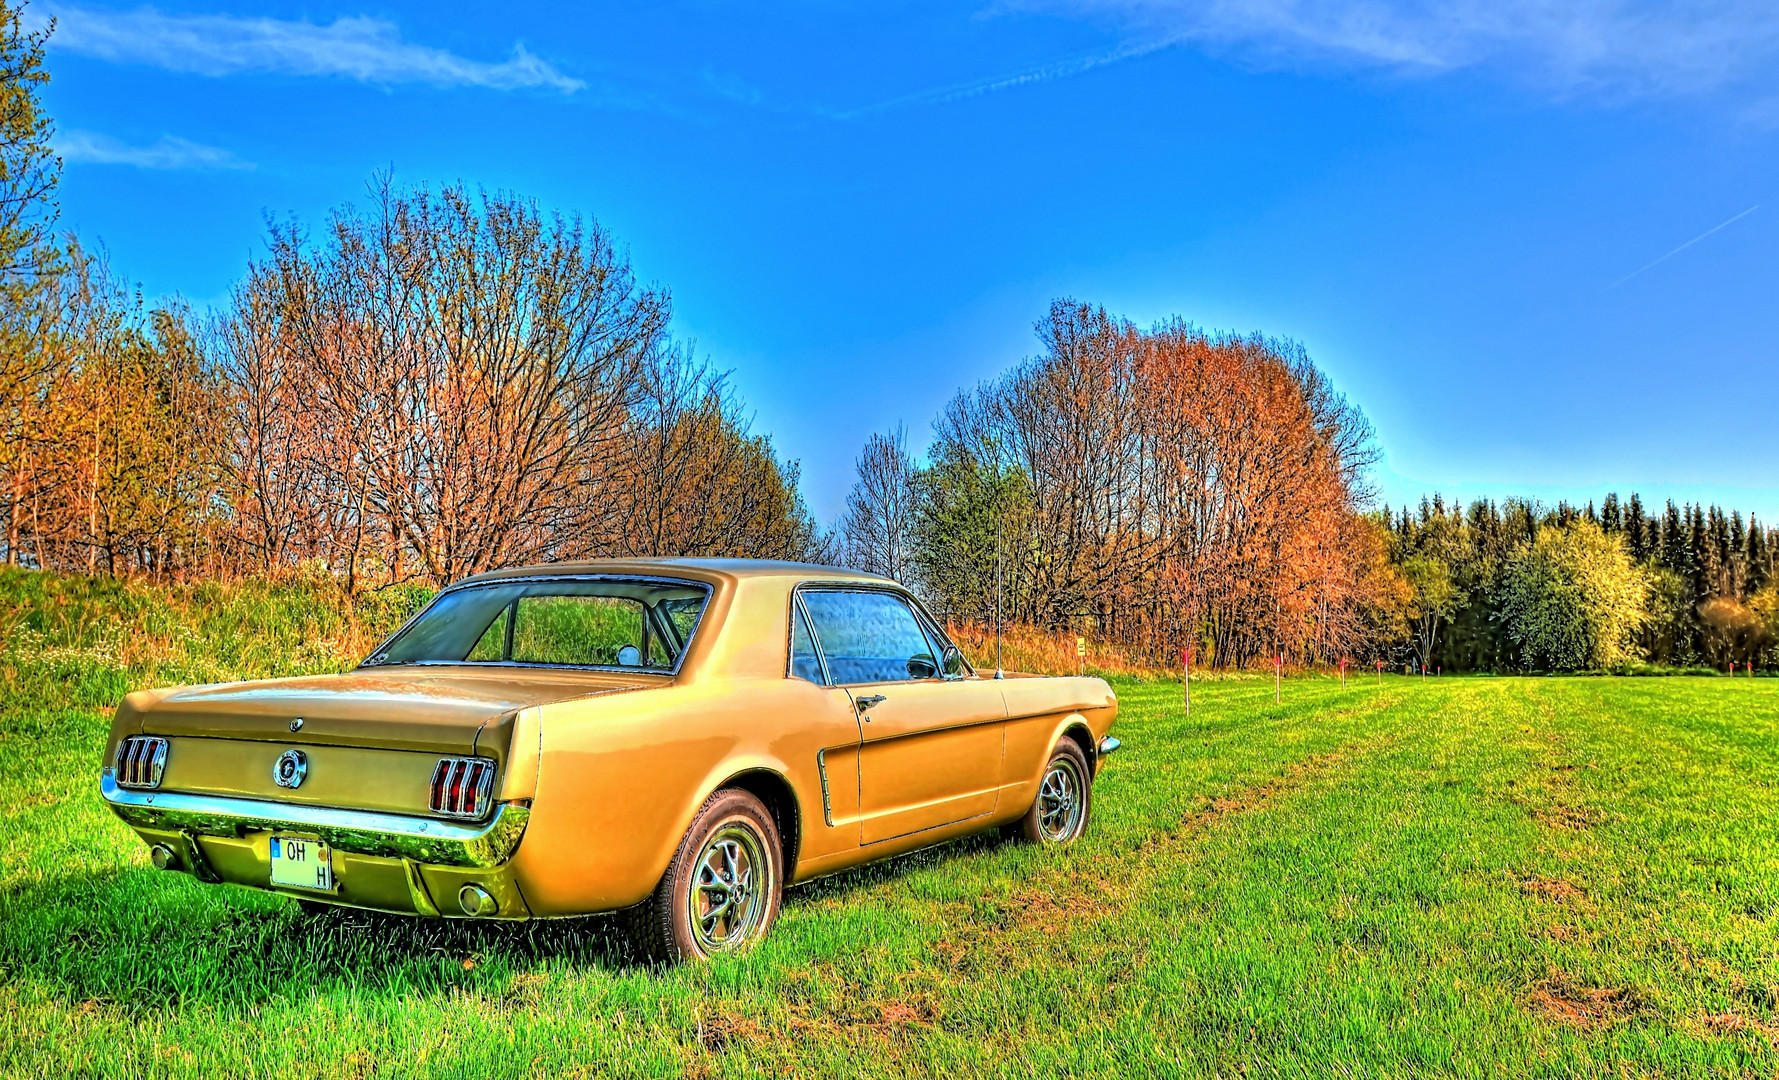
(677, 737)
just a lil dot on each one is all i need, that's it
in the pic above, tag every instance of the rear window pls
(618, 623)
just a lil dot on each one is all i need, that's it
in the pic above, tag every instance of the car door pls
(829, 709)
(931, 746)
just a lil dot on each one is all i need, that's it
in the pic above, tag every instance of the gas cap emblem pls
(292, 766)
(297, 724)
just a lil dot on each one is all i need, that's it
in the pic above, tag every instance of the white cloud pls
(169, 152)
(1614, 47)
(354, 47)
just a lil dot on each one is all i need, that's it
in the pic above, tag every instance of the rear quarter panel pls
(620, 778)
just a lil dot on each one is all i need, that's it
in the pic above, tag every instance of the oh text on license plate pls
(301, 862)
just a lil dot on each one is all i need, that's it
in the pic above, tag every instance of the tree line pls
(440, 384)
(1514, 586)
(1172, 490)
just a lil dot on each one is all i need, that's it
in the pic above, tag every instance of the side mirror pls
(921, 667)
(953, 662)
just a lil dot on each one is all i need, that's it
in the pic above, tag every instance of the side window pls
(869, 637)
(804, 664)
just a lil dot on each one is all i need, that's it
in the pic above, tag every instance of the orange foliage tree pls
(1162, 489)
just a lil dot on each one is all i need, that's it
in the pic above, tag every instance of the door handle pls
(865, 703)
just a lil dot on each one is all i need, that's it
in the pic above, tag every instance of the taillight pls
(140, 761)
(462, 787)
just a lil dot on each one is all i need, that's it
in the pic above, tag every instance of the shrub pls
(1573, 599)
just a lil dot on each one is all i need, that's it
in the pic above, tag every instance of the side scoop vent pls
(462, 787)
(140, 761)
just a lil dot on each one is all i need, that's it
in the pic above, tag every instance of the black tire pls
(697, 910)
(1064, 803)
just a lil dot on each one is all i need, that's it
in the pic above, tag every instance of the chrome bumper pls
(392, 836)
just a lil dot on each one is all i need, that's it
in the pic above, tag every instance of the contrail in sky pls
(1684, 246)
(1060, 69)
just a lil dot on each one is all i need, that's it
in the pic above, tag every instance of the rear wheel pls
(1065, 798)
(722, 891)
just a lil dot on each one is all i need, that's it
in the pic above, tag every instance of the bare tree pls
(450, 383)
(694, 480)
(878, 526)
(466, 365)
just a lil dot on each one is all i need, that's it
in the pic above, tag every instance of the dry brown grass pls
(1031, 650)
(1554, 889)
(1561, 998)
(1735, 1023)
(1039, 652)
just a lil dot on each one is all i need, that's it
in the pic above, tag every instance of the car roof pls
(696, 568)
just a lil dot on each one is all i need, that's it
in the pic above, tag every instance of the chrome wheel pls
(730, 889)
(1061, 800)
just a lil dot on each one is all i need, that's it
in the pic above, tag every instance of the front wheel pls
(1065, 798)
(723, 888)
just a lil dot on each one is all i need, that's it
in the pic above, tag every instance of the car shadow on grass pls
(871, 875)
(145, 939)
(142, 939)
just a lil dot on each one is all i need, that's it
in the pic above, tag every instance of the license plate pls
(302, 863)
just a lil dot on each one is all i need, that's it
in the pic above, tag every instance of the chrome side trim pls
(1109, 745)
(363, 832)
(821, 765)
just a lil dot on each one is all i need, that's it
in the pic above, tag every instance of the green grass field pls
(1463, 877)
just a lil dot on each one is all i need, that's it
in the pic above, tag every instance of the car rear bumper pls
(392, 862)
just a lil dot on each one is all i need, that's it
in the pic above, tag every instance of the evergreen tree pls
(1673, 542)
(1758, 555)
(1701, 553)
(1610, 518)
(1735, 555)
(1721, 577)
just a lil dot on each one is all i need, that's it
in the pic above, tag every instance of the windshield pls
(619, 623)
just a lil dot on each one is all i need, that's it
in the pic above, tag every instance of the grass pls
(1449, 877)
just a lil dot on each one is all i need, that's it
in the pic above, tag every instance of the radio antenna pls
(1000, 673)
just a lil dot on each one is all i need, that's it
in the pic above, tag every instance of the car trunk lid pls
(436, 709)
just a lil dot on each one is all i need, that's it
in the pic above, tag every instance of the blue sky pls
(1491, 221)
